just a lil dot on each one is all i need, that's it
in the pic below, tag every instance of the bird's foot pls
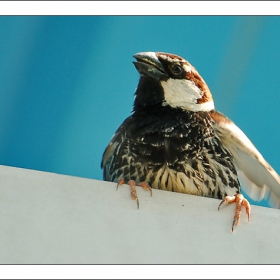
(132, 185)
(239, 201)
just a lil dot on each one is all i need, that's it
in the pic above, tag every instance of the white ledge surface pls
(48, 218)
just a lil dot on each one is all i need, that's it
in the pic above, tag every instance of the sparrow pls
(175, 140)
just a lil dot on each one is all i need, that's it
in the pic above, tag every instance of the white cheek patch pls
(184, 94)
(178, 91)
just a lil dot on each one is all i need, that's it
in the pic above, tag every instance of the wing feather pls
(258, 179)
(111, 153)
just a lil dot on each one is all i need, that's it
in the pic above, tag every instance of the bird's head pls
(169, 79)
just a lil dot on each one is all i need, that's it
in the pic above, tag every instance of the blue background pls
(67, 82)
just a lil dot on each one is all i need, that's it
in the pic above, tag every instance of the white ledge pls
(49, 218)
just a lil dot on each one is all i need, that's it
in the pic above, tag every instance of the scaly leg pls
(132, 185)
(240, 201)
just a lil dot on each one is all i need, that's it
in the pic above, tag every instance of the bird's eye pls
(177, 69)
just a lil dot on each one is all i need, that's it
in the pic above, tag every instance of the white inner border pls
(138, 8)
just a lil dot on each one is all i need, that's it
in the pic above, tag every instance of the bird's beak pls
(147, 64)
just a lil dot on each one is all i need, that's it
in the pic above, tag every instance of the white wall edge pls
(49, 218)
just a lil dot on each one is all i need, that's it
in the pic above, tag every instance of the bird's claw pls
(132, 185)
(239, 201)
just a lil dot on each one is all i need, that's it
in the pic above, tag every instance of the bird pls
(175, 140)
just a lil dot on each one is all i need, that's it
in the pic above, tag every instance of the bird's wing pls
(112, 156)
(258, 179)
